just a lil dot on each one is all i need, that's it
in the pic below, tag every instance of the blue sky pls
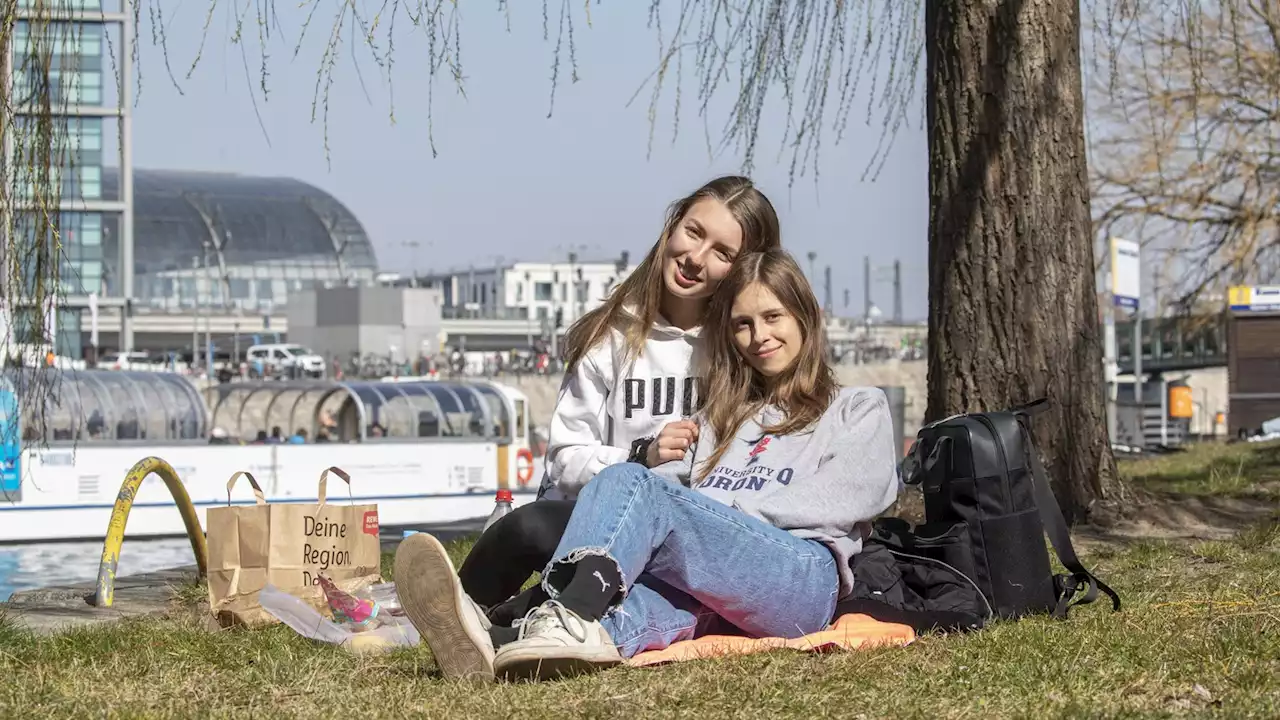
(509, 182)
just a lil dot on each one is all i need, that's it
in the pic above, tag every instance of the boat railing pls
(119, 407)
(359, 411)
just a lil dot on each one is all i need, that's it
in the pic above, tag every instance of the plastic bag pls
(357, 611)
(385, 595)
(395, 632)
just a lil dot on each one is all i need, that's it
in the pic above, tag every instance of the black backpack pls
(980, 553)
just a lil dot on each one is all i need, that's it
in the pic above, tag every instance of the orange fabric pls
(849, 632)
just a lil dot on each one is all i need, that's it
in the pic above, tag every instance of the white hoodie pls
(604, 405)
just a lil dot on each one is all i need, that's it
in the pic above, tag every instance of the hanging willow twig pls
(1185, 103)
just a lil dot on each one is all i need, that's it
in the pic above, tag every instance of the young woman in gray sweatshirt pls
(753, 530)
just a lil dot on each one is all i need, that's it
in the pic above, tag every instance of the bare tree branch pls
(1187, 148)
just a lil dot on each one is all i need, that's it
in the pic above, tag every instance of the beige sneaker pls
(453, 625)
(554, 642)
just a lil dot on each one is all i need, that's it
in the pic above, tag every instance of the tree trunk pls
(1013, 311)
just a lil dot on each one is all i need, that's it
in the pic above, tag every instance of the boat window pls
(473, 414)
(64, 414)
(497, 406)
(400, 418)
(522, 430)
(373, 402)
(426, 410)
(453, 418)
(279, 413)
(70, 406)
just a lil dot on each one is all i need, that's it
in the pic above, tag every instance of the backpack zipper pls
(934, 538)
(1004, 461)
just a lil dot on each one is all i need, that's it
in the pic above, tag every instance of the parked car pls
(284, 360)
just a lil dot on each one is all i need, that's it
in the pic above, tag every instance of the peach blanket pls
(849, 632)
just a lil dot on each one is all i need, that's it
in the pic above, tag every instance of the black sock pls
(594, 585)
(517, 607)
(502, 635)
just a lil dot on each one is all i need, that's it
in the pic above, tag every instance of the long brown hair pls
(633, 306)
(735, 391)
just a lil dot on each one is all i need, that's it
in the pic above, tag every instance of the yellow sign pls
(1256, 298)
(1238, 296)
(1180, 402)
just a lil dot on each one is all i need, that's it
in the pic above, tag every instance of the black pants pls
(504, 557)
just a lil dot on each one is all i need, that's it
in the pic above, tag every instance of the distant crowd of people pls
(220, 436)
(326, 434)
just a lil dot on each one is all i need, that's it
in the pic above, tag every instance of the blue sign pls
(10, 445)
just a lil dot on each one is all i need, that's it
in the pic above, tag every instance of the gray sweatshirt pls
(816, 484)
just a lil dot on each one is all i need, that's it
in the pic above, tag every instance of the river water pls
(23, 567)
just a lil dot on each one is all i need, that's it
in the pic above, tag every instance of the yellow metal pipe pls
(105, 593)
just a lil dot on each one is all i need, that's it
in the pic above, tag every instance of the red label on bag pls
(371, 522)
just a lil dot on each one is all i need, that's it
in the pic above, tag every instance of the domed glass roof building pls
(224, 240)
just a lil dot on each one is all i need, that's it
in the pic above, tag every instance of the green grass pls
(1239, 470)
(1200, 634)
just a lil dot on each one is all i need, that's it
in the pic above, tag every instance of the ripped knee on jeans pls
(558, 573)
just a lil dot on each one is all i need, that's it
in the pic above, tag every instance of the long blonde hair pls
(735, 391)
(633, 306)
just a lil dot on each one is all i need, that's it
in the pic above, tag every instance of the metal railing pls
(1174, 343)
(104, 595)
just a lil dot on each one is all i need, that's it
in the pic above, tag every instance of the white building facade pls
(537, 292)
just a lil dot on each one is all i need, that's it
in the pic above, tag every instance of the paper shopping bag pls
(287, 545)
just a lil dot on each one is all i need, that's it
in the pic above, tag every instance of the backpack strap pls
(1065, 586)
(913, 468)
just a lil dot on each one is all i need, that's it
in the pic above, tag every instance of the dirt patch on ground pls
(1148, 515)
(1178, 516)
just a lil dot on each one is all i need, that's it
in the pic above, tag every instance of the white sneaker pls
(453, 625)
(555, 642)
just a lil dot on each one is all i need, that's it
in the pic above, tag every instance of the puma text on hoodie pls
(606, 404)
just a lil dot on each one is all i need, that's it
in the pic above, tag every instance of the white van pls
(287, 359)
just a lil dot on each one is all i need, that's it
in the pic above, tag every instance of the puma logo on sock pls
(603, 585)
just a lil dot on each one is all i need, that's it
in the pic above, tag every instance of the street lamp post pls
(208, 317)
(881, 277)
(528, 311)
(195, 323)
(573, 285)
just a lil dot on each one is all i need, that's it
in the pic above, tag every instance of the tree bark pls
(1013, 311)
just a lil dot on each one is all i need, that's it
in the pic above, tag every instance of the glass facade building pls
(210, 241)
(235, 242)
(55, 145)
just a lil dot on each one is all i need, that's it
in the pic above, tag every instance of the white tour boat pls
(428, 452)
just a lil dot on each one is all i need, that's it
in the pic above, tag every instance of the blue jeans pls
(688, 561)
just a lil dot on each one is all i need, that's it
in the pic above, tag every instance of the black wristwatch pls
(640, 450)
